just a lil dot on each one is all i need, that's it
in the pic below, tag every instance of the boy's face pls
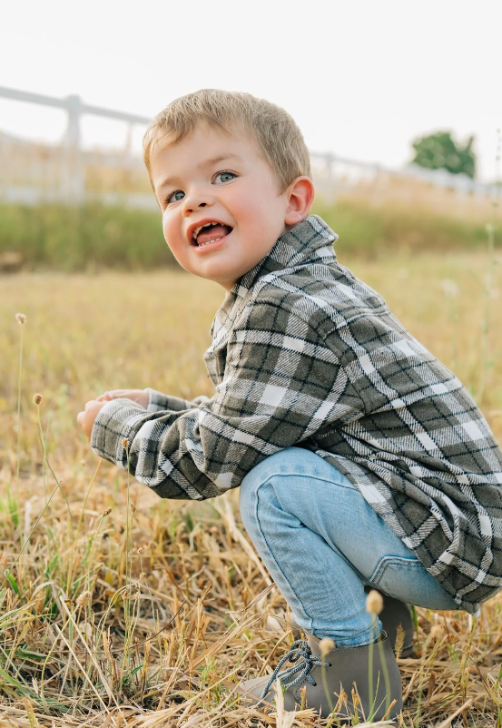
(215, 177)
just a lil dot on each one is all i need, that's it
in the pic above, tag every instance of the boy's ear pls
(300, 195)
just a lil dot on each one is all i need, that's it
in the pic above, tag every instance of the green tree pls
(441, 151)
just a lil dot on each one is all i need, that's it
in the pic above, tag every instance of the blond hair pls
(275, 131)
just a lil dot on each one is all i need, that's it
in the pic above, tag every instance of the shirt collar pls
(310, 241)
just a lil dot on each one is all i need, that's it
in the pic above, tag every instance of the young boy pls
(363, 462)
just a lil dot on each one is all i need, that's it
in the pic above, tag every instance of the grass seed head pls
(437, 632)
(398, 646)
(374, 602)
(9, 598)
(125, 443)
(106, 646)
(20, 318)
(37, 398)
(326, 645)
(84, 599)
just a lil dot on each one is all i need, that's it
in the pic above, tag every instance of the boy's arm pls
(280, 387)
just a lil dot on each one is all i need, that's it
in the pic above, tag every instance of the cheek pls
(169, 230)
(247, 211)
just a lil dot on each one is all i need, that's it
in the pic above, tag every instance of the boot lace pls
(300, 650)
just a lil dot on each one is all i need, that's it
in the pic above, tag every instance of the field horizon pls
(95, 237)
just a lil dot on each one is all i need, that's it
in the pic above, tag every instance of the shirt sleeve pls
(281, 385)
(159, 402)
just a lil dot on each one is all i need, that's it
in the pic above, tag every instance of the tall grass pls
(130, 610)
(93, 237)
(86, 238)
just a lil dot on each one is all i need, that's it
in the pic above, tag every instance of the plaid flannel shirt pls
(303, 353)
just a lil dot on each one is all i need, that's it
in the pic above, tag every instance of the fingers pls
(136, 395)
(82, 415)
(87, 418)
(114, 394)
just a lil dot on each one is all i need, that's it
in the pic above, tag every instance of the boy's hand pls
(87, 417)
(137, 395)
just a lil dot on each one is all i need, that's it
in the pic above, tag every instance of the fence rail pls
(62, 175)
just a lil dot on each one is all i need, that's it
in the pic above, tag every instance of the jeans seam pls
(347, 643)
(343, 643)
(349, 485)
(386, 561)
(270, 551)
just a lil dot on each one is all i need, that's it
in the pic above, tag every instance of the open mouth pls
(210, 232)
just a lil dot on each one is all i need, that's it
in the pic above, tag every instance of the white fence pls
(63, 177)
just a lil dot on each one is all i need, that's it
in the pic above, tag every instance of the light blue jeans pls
(322, 543)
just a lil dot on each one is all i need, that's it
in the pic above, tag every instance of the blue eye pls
(176, 199)
(225, 174)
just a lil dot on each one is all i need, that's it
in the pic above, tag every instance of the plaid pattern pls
(305, 354)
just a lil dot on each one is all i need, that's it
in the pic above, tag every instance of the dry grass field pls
(119, 609)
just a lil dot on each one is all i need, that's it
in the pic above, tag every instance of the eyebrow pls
(208, 163)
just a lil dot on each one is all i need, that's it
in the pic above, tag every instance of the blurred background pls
(399, 103)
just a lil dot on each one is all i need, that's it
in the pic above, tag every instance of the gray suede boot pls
(397, 614)
(394, 614)
(323, 676)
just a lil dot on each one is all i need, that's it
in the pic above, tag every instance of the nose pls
(196, 199)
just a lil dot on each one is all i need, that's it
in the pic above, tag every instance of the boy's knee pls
(262, 473)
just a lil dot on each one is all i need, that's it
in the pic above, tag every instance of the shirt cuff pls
(159, 402)
(113, 426)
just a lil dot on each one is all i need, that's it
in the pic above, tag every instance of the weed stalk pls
(21, 319)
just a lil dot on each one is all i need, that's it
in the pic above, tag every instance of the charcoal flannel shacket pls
(304, 353)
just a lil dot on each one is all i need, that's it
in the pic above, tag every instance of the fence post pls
(330, 178)
(128, 142)
(74, 182)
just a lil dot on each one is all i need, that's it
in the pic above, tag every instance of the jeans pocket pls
(408, 580)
